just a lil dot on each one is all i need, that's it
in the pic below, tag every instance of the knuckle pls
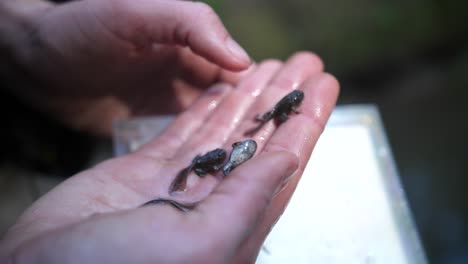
(203, 10)
(330, 80)
(311, 57)
(273, 63)
(203, 18)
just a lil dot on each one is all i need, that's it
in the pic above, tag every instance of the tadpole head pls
(221, 154)
(298, 96)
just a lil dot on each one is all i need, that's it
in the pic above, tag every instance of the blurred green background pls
(348, 35)
(408, 57)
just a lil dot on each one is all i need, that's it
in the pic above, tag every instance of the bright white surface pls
(349, 206)
(341, 211)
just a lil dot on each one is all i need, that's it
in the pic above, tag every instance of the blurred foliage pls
(346, 34)
(263, 34)
(408, 57)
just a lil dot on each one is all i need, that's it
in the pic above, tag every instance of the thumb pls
(238, 203)
(192, 24)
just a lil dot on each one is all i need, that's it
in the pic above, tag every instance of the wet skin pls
(242, 151)
(210, 162)
(281, 110)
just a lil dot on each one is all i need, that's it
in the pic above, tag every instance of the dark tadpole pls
(211, 162)
(280, 111)
(177, 205)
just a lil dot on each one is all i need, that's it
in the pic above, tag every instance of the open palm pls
(95, 216)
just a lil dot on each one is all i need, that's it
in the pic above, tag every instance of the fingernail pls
(288, 177)
(218, 88)
(280, 188)
(237, 51)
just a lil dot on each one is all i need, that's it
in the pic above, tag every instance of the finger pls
(296, 70)
(235, 113)
(320, 92)
(235, 207)
(234, 77)
(226, 127)
(199, 72)
(217, 128)
(193, 24)
(167, 144)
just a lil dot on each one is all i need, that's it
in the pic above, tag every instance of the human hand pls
(100, 60)
(95, 216)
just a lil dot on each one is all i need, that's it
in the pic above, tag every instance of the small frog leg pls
(265, 117)
(283, 117)
(294, 109)
(259, 118)
(200, 172)
(194, 161)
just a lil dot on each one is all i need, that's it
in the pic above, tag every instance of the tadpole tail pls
(180, 181)
(254, 130)
(227, 168)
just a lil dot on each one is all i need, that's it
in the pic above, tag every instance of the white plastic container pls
(349, 206)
